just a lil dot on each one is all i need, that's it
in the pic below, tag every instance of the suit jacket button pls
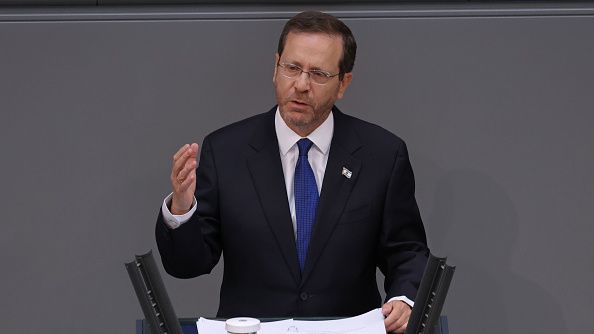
(304, 296)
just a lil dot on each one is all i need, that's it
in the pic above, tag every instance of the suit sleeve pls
(194, 248)
(403, 248)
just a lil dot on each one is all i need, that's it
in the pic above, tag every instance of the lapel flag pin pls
(346, 173)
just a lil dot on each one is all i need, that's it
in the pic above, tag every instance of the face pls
(303, 104)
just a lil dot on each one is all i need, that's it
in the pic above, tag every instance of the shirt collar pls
(287, 138)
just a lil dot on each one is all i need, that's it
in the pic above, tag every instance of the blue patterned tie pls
(306, 199)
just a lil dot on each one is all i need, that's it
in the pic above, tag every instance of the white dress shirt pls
(289, 153)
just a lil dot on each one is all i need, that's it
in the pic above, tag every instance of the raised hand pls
(183, 178)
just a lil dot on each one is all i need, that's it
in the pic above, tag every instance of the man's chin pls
(298, 120)
(297, 115)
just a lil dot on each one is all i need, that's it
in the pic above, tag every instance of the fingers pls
(402, 329)
(397, 314)
(391, 321)
(179, 160)
(400, 324)
(184, 160)
(188, 169)
(186, 182)
(183, 178)
(193, 147)
(181, 150)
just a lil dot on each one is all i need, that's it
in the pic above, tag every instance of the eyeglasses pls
(292, 71)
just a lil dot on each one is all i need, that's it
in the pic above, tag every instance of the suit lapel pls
(267, 174)
(336, 188)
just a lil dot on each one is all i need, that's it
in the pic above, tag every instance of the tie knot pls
(304, 145)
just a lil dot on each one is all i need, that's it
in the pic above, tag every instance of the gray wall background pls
(494, 101)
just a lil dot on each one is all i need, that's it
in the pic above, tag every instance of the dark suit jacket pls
(370, 220)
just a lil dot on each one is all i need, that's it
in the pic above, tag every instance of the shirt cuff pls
(175, 221)
(404, 299)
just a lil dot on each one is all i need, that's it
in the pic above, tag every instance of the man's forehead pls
(333, 37)
(316, 46)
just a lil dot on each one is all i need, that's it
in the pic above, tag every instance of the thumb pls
(386, 309)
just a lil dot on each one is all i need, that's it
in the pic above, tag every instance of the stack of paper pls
(371, 322)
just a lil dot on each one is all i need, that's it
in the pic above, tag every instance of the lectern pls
(188, 326)
(161, 319)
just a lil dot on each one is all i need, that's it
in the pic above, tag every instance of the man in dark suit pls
(304, 201)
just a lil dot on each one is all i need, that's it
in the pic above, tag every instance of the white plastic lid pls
(242, 325)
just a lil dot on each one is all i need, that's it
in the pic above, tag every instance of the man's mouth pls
(299, 102)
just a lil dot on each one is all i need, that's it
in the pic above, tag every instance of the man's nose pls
(302, 82)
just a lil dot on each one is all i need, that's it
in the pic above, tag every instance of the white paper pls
(274, 327)
(371, 322)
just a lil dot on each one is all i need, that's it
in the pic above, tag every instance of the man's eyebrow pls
(289, 61)
(313, 68)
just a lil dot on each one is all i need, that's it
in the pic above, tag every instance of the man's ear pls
(344, 84)
(276, 58)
